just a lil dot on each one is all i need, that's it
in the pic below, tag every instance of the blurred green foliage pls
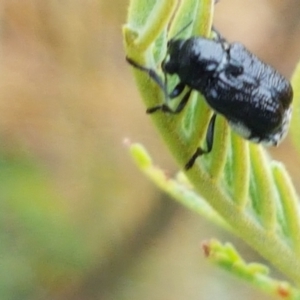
(39, 242)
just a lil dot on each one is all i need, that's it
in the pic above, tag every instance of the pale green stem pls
(240, 170)
(265, 196)
(290, 204)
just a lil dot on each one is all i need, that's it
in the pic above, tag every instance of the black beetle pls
(253, 97)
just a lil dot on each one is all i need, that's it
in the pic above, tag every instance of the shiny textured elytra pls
(251, 95)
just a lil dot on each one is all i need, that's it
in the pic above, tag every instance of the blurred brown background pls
(77, 219)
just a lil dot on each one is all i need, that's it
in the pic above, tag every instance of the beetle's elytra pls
(253, 97)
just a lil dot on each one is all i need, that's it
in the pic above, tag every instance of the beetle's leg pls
(183, 102)
(167, 109)
(176, 91)
(209, 143)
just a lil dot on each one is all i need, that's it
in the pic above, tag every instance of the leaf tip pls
(139, 154)
(129, 34)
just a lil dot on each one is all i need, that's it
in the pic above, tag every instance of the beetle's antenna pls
(182, 29)
(151, 72)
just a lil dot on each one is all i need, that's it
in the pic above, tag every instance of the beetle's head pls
(171, 63)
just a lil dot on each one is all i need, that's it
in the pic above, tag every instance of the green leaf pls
(179, 188)
(227, 257)
(241, 184)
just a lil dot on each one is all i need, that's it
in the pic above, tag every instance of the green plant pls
(245, 191)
